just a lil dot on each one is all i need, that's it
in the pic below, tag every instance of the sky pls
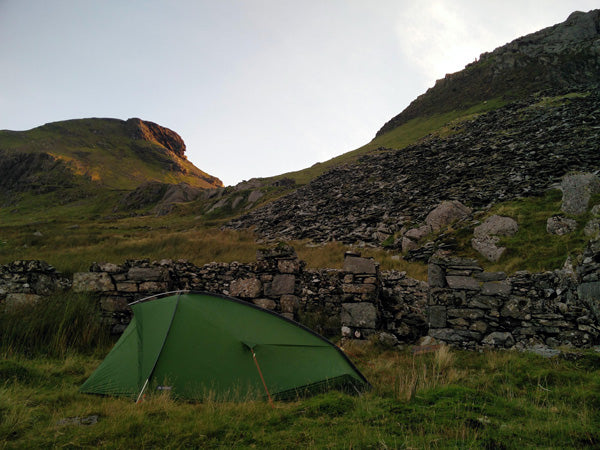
(255, 88)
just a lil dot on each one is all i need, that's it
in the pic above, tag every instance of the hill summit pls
(85, 157)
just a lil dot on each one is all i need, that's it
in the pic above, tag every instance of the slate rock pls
(446, 213)
(361, 315)
(560, 225)
(577, 190)
(496, 226)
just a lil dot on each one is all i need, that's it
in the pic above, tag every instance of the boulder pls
(486, 246)
(282, 284)
(485, 238)
(246, 288)
(560, 225)
(496, 226)
(499, 339)
(446, 213)
(577, 190)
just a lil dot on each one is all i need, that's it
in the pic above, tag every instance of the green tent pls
(200, 345)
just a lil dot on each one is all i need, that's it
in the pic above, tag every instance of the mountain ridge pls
(552, 58)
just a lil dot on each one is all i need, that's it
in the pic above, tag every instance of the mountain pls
(85, 157)
(555, 58)
(508, 126)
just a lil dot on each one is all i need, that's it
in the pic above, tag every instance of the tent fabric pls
(200, 345)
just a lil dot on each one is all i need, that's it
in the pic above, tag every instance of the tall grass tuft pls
(54, 326)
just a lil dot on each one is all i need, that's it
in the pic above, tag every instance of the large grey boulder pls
(496, 226)
(485, 236)
(445, 213)
(577, 190)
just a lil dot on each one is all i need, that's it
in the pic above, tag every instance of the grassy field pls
(449, 399)
(443, 399)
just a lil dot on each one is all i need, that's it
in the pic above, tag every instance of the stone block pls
(499, 339)
(496, 288)
(479, 326)
(437, 316)
(127, 286)
(517, 308)
(114, 304)
(289, 303)
(106, 267)
(454, 336)
(490, 276)
(245, 288)
(288, 266)
(436, 276)
(466, 283)
(265, 303)
(357, 264)
(145, 274)
(283, 284)
(153, 286)
(16, 300)
(577, 190)
(358, 288)
(92, 282)
(362, 315)
(465, 313)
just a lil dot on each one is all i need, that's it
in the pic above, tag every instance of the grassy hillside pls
(102, 151)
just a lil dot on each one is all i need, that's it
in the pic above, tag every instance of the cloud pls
(438, 38)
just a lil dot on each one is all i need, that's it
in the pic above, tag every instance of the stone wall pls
(461, 304)
(471, 308)
(357, 301)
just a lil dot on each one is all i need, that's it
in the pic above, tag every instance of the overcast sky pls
(254, 87)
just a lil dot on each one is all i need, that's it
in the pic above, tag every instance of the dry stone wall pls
(461, 304)
(471, 308)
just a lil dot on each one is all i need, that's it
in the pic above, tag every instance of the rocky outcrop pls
(160, 197)
(34, 172)
(152, 132)
(518, 150)
(556, 57)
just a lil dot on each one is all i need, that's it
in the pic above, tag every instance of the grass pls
(532, 248)
(448, 399)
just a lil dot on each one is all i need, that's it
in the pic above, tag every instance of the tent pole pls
(142, 391)
(262, 378)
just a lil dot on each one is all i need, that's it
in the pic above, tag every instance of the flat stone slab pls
(357, 264)
(467, 283)
(360, 315)
(92, 282)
